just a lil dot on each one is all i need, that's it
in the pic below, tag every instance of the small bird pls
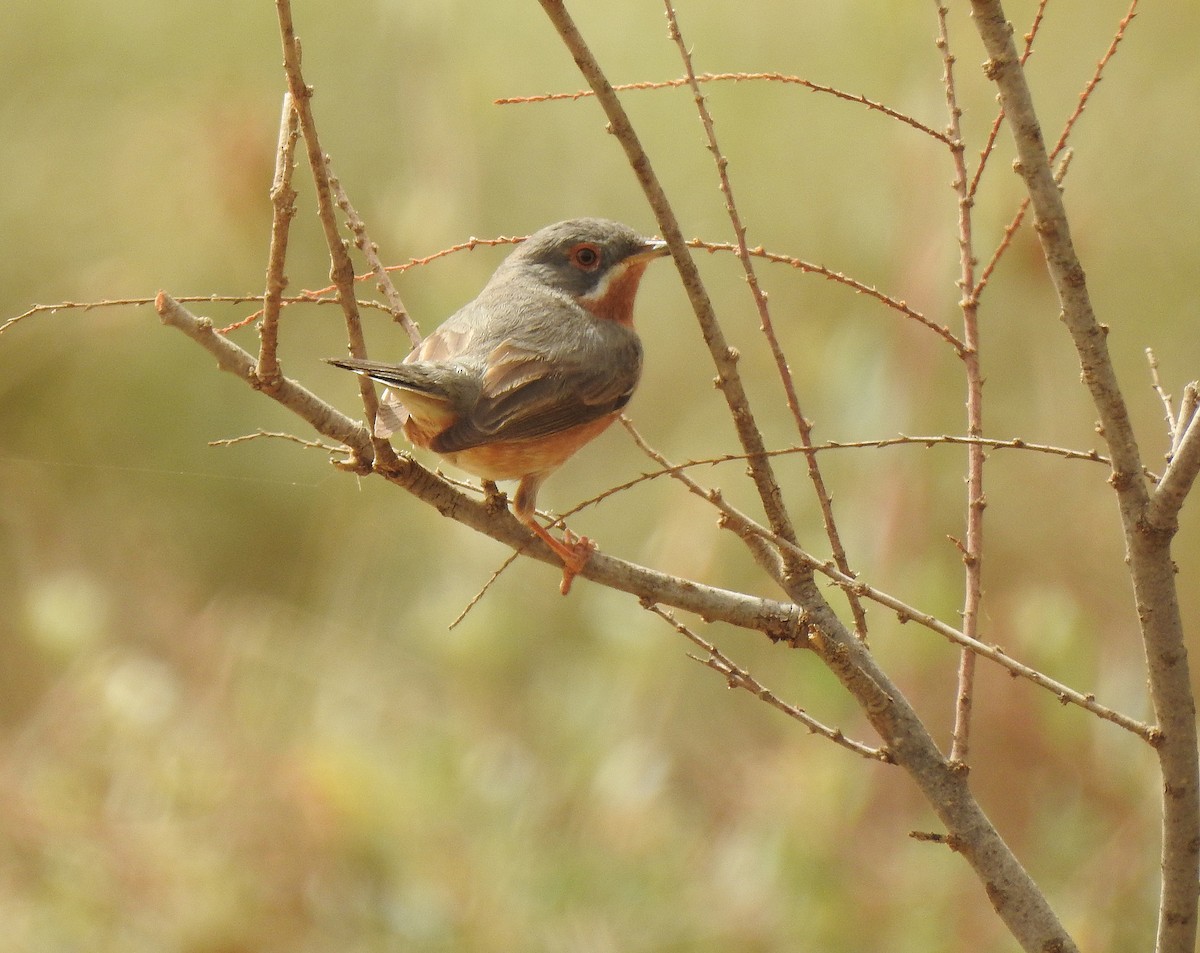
(541, 362)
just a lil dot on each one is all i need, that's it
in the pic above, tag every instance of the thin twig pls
(283, 210)
(766, 556)
(738, 522)
(906, 613)
(972, 547)
(341, 269)
(809, 267)
(1094, 81)
(901, 441)
(1156, 383)
(1084, 96)
(469, 245)
(737, 78)
(737, 677)
(260, 434)
(483, 590)
(1010, 230)
(370, 250)
(766, 325)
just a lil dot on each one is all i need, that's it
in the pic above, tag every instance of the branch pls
(724, 357)
(1148, 543)
(737, 78)
(972, 548)
(341, 268)
(1163, 512)
(669, 469)
(283, 210)
(763, 552)
(766, 325)
(736, 677)
(370, 250)
(986, 152)
(779, 621)
(271, 434)
(810, 268)
(235, 360)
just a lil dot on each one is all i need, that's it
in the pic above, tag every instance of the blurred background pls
(232, 714)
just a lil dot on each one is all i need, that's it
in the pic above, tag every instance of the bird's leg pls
(494, 499)
(574, 551)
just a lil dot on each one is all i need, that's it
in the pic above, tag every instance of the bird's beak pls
(651, 248)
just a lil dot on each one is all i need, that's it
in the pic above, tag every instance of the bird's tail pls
(415, 377)
(421, 391)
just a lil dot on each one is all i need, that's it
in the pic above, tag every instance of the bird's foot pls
(575, 553)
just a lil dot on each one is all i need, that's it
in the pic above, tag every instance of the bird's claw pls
(576, 552)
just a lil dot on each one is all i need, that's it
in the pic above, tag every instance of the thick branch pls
(724, 357)
(1148, 543)
(778, 620)
(1012, 892)
(241, 363)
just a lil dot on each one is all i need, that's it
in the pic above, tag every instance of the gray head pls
(583, 256)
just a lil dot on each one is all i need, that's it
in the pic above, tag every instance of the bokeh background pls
(232, 715)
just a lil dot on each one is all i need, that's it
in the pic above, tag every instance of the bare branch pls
(766, 325)
(1090, 86)
(1178, 478)
(809, 267)
(271, 434)
(972, 548)
(1148, 543)
(746, 528)
(341, 268)
(986, 152)
(370, 251)
(775, 619)
(668, 469)
(736, 677)
(283, 210)
(737, 78)
(765, 555)
(724, 357)
(1173, 429)
(1187, 410)
(1084, 96)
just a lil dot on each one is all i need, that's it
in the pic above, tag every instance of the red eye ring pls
(586, 256)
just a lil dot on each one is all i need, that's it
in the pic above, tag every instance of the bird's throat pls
(613, 300)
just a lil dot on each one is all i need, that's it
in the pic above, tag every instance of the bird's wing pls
(530, 391)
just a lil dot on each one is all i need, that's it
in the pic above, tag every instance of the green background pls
(232, 716)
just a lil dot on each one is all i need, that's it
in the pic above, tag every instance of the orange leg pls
(574, 551)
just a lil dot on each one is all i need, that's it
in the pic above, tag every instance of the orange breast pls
(513, 459)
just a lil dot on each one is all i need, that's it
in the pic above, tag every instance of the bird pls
(537, 365)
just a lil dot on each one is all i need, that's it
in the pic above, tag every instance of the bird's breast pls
(514, 459)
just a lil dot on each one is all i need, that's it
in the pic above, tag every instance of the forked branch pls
(1148, 527)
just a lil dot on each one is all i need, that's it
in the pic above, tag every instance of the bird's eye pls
(585, 256)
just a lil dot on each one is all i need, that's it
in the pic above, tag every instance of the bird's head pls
(597, 262)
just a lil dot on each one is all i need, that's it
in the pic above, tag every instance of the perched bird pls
(541, 362)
